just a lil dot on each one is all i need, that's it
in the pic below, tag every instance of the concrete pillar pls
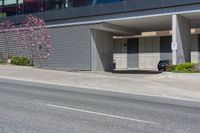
(101, 50)
(181, 36)
(194, 49)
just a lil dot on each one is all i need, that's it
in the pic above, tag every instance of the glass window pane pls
(41, 5)
(20, 7)
(59, 4)
(68, 3)
(96, 2)
(10, 7)
(56, 4)
(80, 3)
(2, 14)
(30, 6)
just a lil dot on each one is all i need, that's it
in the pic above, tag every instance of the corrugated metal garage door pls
(7, 46)
(70, 48)
(2, 41)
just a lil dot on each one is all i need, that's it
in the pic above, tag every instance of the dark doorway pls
(199, 43)
(133, 50)
(165, 48)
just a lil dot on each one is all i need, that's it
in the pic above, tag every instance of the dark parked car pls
(114, 64)
(162, 65)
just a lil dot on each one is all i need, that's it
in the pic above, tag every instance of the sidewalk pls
(168, 85)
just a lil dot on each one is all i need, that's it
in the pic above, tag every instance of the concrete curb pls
(183, 76)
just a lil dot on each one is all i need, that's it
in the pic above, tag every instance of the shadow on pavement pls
(136, 72)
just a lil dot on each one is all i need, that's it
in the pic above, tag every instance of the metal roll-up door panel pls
(70, 48)
(2, 41)
(11, 42)
(8, 46)
(2, 46)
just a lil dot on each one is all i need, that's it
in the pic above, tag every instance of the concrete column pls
(181, 36)
(101, 50)
(194, 49)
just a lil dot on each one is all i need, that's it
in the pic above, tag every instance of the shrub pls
(171, 68)
(17, 60)
(2, 62)
(185, 68)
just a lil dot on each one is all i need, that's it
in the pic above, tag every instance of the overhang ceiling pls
(156, 23)
(146, 24)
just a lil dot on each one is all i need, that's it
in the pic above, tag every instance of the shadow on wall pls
(102, 50)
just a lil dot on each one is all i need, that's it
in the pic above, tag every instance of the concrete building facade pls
(89, 34)
(150, 51)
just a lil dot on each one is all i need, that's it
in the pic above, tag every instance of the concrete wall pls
(181, 36)
(101, 50)
(149, 52)
(194, 49)
(120, 53)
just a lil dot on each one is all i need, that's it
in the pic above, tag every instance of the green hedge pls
(184, 68)
(171, 68)
(2, 62)
(17, 60)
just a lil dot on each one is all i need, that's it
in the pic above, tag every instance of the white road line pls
(101, 114)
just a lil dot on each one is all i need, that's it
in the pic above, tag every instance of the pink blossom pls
(34, 38)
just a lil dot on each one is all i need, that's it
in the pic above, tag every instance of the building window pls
(68, 3)
(10, 7)
(20, 7)
(42, 5)
(30, 6)
(81, 3)
(57, 4)
(13, 7)
(2, 14)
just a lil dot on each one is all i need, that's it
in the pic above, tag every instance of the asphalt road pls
(39, 108)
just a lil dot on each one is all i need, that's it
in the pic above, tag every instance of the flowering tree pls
(6, 24)
(34, 39)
